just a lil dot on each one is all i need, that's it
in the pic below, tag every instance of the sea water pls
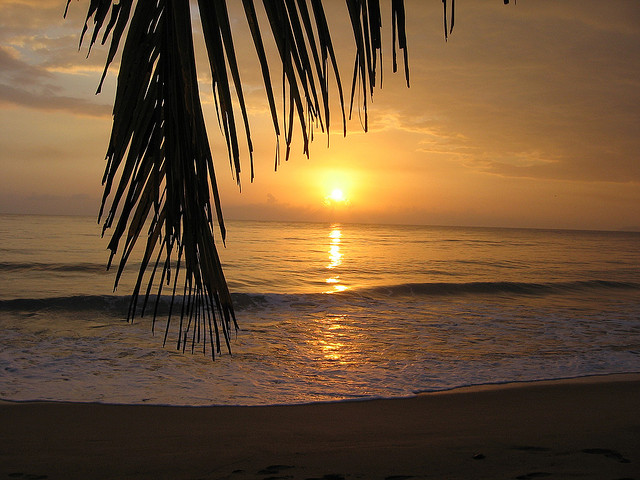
(326, 312)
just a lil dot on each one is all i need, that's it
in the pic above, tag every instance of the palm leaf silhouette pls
(159, 178)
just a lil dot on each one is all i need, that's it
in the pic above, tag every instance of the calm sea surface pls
(326, 312)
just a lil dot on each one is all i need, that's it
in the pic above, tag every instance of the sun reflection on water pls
(335, 260)
(335, 256)
(332, 342)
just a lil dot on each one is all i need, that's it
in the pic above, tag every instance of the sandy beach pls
(582, 428)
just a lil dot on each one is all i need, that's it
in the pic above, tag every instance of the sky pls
(528, 116)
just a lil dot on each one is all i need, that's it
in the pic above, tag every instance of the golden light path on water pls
(330, 339)
(335, 259)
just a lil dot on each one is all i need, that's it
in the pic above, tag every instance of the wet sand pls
(585, 428)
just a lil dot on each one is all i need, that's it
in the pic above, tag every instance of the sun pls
(336, 198)
(336, 195)
(336, 189)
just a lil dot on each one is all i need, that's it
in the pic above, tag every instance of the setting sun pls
(337, 195)
(336, 198)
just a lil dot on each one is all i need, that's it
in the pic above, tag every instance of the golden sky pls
(529, 116)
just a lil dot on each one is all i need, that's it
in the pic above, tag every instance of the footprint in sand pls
(275, 470)
(529, 476)
(607, 453)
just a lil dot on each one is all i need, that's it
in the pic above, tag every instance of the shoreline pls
(587, 427)
(587, 378)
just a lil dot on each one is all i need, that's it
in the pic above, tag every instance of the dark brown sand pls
(584, 428)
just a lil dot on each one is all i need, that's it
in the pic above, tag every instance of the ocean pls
(326, 312)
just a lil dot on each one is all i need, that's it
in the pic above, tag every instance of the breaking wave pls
(119, 304)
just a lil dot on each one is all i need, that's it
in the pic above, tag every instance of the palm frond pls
(160, 165)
